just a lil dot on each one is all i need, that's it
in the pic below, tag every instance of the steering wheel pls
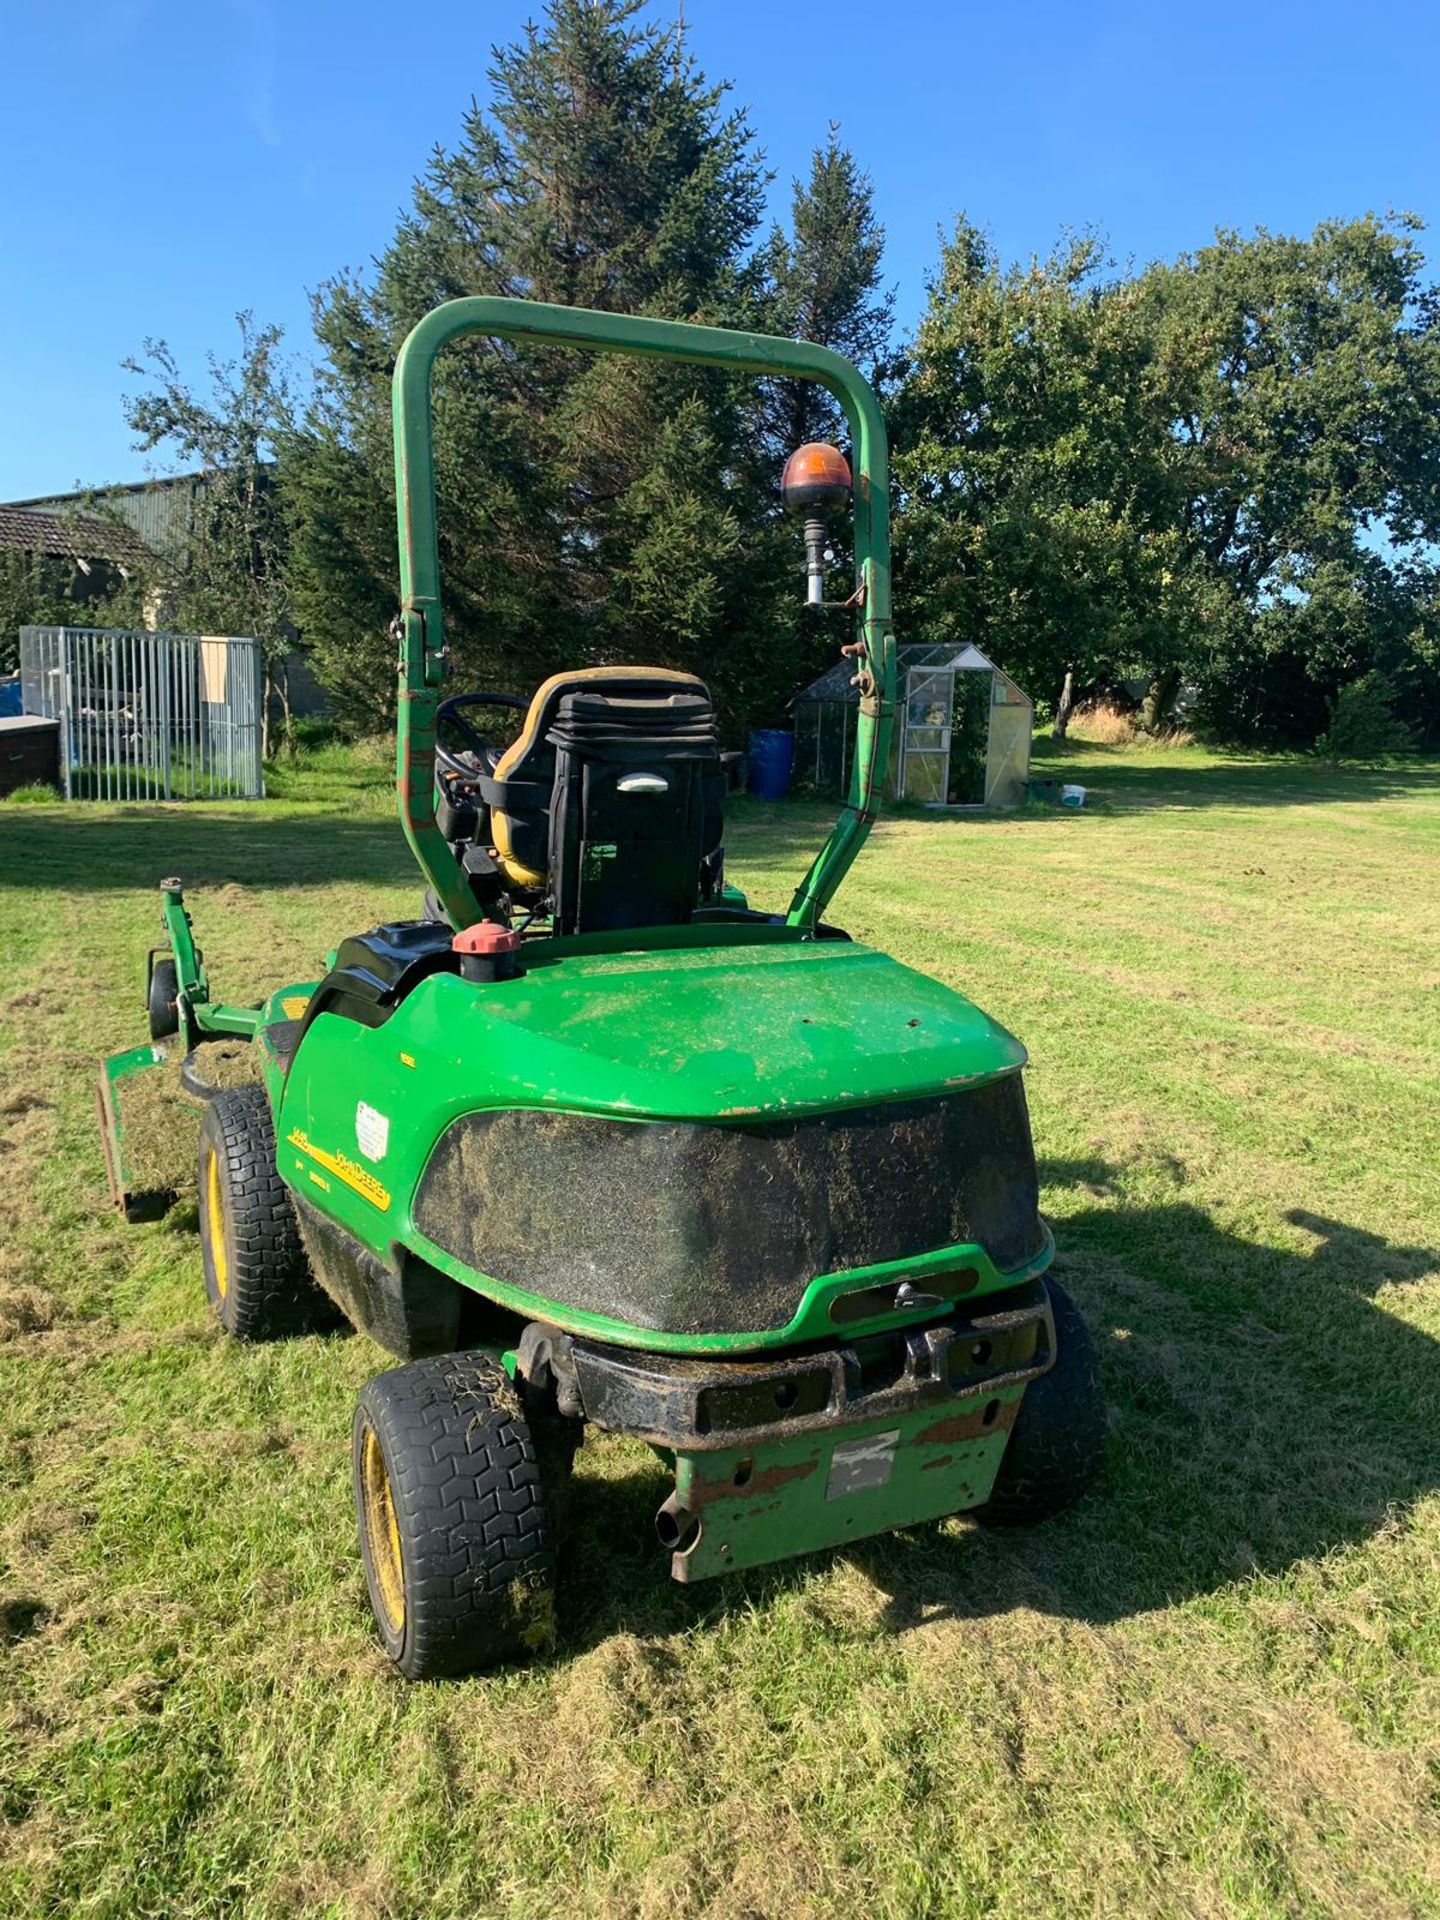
(451, 712)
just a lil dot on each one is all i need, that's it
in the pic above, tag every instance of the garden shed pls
(962, 730)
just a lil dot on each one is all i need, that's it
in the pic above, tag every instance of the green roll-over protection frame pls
(422, 661)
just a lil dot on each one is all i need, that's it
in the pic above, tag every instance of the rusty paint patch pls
(956, 1427)
(703, 1493)
(940, 1460)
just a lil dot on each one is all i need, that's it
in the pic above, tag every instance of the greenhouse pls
(962, 730)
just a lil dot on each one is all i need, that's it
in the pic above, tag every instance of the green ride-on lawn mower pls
(593, 1143)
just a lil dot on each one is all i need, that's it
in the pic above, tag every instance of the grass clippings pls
(1213, 1689)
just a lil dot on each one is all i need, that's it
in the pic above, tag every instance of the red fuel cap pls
(486, 936)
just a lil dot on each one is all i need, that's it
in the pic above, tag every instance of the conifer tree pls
(590, 508)
(823, 284)
(826, 284)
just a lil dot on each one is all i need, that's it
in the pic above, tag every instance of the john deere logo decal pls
(363, 1181)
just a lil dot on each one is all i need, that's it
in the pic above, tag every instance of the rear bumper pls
(775, 1457)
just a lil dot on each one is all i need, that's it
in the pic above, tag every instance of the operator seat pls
(611, 799)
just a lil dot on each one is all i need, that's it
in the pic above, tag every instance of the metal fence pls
(149, 716)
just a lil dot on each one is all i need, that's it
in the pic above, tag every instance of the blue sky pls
(168, 162)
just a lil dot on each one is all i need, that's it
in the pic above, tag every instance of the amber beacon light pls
(816, 482)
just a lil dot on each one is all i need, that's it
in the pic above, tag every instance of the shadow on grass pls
(91, 847)
(1266, 1409)
(79, 848)
(1132, 783)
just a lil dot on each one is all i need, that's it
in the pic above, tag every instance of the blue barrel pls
(772, 758)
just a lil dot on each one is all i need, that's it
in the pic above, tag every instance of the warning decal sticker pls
(372, 1131)
(858, 1464)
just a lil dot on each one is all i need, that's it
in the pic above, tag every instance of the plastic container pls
(1072, 796)
(772, 760)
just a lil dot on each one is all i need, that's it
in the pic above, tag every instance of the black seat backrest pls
(612, 798)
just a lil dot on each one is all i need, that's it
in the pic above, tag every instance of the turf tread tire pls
(476, 1542)
(1058, 1440)
(270, 1293)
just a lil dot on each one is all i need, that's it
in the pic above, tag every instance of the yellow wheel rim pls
(215, 1225)
(382, 1531)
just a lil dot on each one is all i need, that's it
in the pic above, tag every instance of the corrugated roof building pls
(80, 538)
(161, 513)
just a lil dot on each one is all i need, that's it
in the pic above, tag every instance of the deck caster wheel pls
(454, 1525)
(256, 1274)
(163, 1000)
(1058, 1440)
(201, 1063)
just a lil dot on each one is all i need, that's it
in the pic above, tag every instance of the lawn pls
(1213, 1689)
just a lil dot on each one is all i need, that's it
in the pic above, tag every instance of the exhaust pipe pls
(676, 1527)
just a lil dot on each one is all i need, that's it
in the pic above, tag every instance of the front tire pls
(455, 1533)
(1058, 1440)
(256, 1275)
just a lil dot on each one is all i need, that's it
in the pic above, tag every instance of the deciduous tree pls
(229, 575)
(1224, 470)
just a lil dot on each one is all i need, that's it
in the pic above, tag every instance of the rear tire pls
(1058, 1440)
(455, 1531)
(162, 1001)
(256, 1275)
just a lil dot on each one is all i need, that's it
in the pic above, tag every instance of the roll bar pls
(422, 644)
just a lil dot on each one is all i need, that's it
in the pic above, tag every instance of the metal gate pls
(149, 716)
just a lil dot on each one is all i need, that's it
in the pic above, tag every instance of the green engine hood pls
(422, 1130)
(711, 1032)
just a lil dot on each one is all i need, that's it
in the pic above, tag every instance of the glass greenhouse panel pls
(810, 718)
(961, 736)
(1007, 760)
(925, 778)
(965, 784)
(928, 696)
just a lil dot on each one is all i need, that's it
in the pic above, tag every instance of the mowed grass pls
(1213, 1689)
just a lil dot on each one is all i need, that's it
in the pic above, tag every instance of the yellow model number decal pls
(364, 1182)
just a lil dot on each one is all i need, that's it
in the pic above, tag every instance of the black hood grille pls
(684, 1227)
